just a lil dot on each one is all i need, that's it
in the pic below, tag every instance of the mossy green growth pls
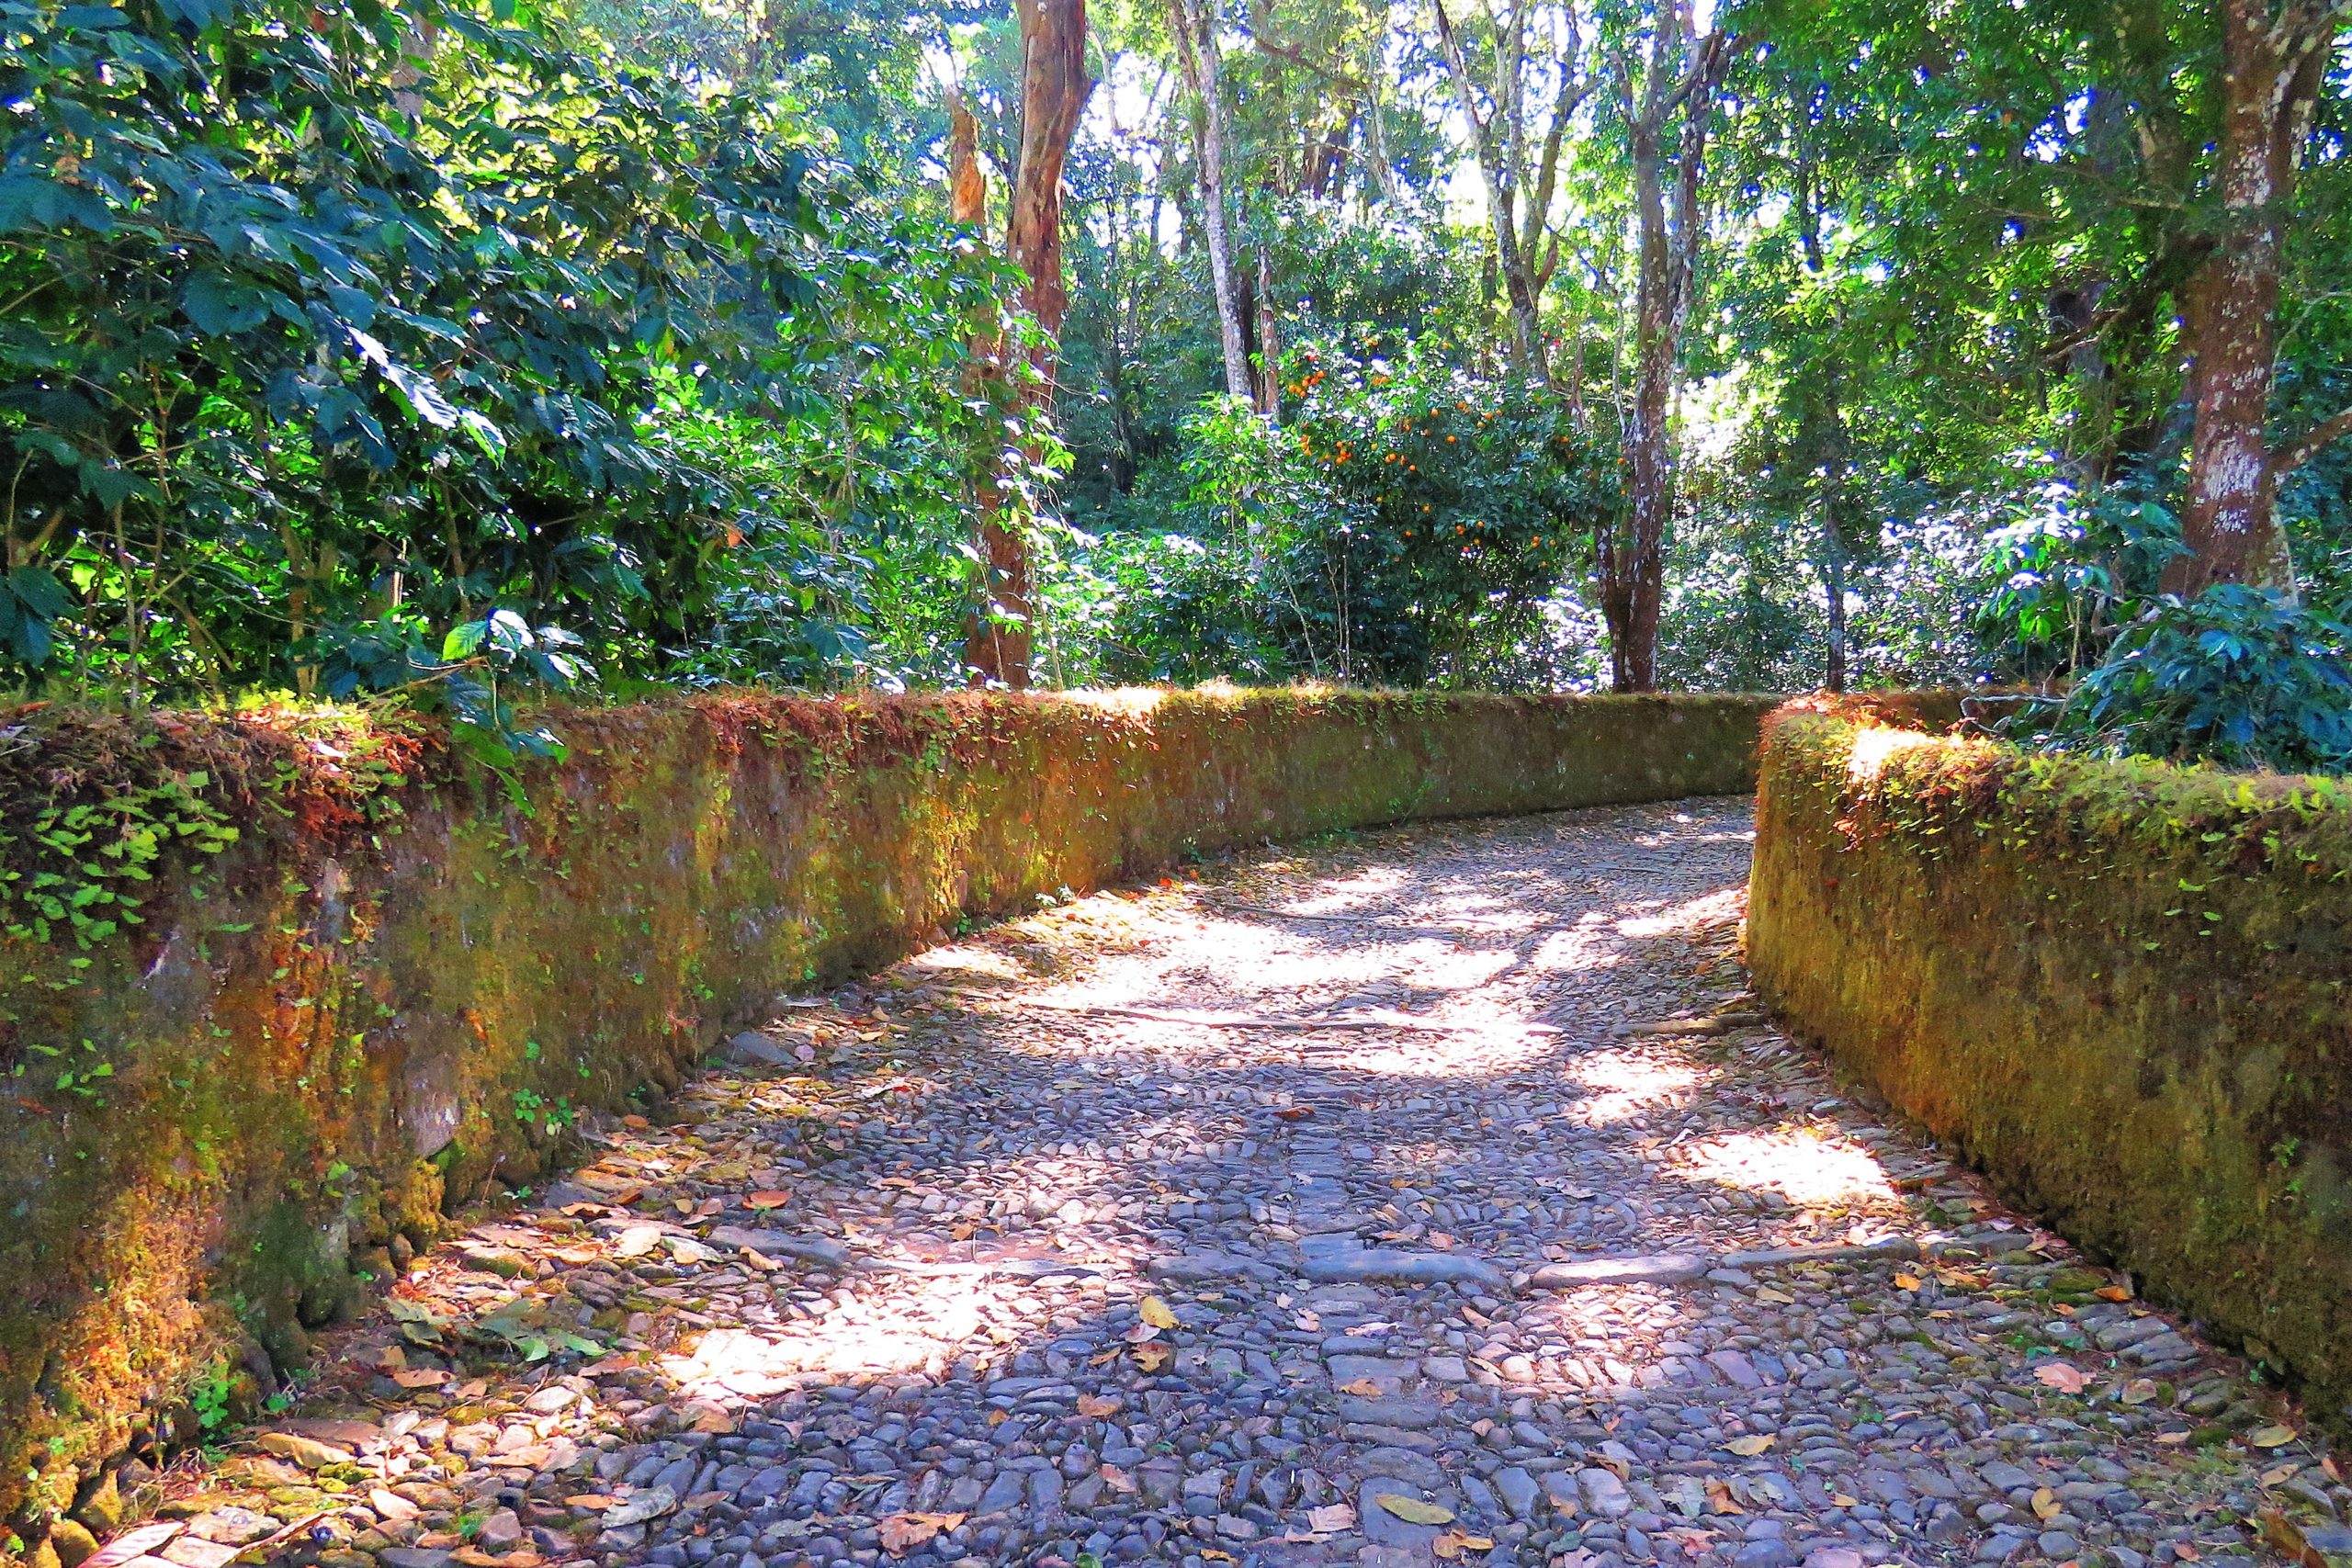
(2119, 987)
(385, 998)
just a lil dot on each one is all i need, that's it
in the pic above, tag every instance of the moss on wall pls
(388, 995)
(2119, 988)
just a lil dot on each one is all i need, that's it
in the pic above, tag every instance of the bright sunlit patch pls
(1125, 702)
(977, 960)
(1716, 909)
(918, 1328)
(1872, 748)
(1625, 1085)
(1809, 1168)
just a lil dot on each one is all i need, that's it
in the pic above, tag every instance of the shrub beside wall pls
(390, 993)
(2120, 988)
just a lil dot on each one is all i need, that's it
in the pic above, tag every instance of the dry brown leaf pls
(1156, 1313)
(2328, 1463)
(1094, 1407)
(1414, 1511)
(1776, 1296)
(759, 1262)
(1843, 1500)
(1151, 1358)
(766, 1199)
(1750, 1446)
(1906, 1281)
(2045, 1504)
(2139, 1391)
(902, 1533)
(2271, 1436)
(420, 1377)
(1332, 1519)
(1720, 1500)
(1450, 1545)
(2283, 1534)
(2063, 1376)
(1117, 1480)
(1363, 1388)
(2187, 1552)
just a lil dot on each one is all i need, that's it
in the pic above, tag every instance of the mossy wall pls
(2119, 988)
(222, 1123)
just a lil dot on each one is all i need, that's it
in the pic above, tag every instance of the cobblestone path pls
(1431, 1195)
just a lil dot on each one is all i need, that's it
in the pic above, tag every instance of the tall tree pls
(2274, 61)
(1668, 99)
(1534, 82)
(1194, 23)
(1054, 85)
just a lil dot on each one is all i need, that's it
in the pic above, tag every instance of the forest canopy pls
(454, 353)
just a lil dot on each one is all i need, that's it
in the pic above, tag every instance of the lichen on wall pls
(330, 983)
(2117, 986)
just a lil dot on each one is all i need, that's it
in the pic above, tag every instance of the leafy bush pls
(2242, 676)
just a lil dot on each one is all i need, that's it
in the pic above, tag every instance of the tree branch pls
(2325, 434)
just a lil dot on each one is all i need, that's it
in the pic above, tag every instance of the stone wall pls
(400, 985)
(2120, 988)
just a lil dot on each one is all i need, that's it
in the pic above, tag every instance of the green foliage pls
(2241, 676)
(334, 333)
(1409, 523)
(75, 865)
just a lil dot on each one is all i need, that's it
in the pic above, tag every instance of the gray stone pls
(1661, 1269)
(1403, 1268)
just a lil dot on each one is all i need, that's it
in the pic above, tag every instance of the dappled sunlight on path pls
(1431, 1195)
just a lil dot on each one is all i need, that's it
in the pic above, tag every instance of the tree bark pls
(1270, 344)
(2274, 61)
(1498, 139)
(1197, 53)
(998, 641)
(1632, 551)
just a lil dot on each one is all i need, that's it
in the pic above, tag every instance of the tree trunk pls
(1197, 54)
(1496, 171)
(2273, 62)
(1633, 553)
(1270, 344)
(1054, 85)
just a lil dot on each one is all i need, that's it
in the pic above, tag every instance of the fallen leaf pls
(2045, 1504)
(1156, 1313)
(1363, 1388)
(138, 1544)
(1776, 1296)
(1750, 1446)
(759, 1262)
(594, 1502)
(2279, 1473)
(1332, 1519)
(2139, 1391)
(2328, 1463)
(1151, 1358)
(420, 1377)
(2282, 1533)
(1094, 1407)
(1294, 1113)
(766, 1200)
(2063, 1376)
(1450, 1546)
(1720, 1500)
(2113, 1292)
(2271, 1436)
(902, 1533)
(1845, 1501)
(1117, 1480)
(2187, 1552)
(2171, 1439)
(1413, 1511)
(1906, 1281)
(1211, 1554)
(640, 1507)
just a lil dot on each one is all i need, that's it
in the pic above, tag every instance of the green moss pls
(327, 1045)
(2117, 986)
